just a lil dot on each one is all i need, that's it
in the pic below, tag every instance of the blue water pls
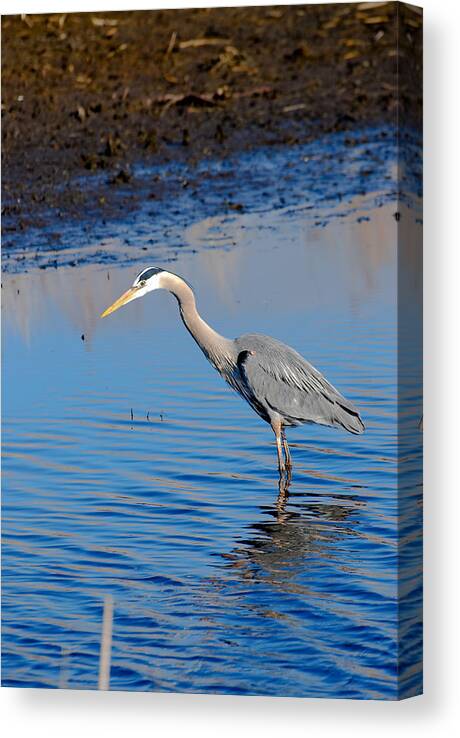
(132, 470)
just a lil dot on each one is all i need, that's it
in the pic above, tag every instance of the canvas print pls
(212, 350)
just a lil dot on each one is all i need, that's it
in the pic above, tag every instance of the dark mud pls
(93, 95)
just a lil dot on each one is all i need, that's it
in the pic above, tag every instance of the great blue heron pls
(275, 380)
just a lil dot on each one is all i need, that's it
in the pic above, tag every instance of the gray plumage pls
(276, 381)
(275, 378)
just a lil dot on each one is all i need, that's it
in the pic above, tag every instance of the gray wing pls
(278, 379)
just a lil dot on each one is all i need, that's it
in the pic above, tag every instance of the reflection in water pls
(284, 483)
(299, 595)
(220, 581)
(277, 550)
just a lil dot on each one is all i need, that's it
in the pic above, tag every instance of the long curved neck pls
(219, 350)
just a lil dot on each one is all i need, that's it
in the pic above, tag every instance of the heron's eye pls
(142, 283)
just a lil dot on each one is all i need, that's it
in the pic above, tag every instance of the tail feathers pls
(349, 418)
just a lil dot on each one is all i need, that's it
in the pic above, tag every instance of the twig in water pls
(64, 668)
(106, 644)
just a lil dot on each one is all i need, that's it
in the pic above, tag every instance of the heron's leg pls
(287, 453)
(276, 426)
(281, 465)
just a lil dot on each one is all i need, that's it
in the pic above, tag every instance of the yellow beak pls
(125, 298)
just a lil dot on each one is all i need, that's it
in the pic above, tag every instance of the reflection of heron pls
(275, 380)
(279, 548)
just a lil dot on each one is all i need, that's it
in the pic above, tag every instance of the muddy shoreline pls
(93, 94)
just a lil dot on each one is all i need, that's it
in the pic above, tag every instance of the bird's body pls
(276, 381)
(283, 382)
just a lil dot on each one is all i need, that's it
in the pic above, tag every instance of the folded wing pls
(277, 379)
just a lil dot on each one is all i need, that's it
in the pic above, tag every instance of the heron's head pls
(151, 278)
